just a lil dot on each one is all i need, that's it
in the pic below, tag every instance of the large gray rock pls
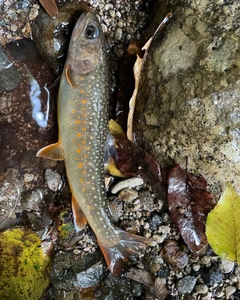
(188, 104)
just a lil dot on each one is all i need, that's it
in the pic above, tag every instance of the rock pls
(229, 291)
(212, 275)
(201, 288)
(73, 272)
(155, 221)
(51, 36)
(32, 199)
(226, 266)
(10, 193)
(187, 103)
(127, 183)
(128, 195)
(186, 284)
(53, 179)
(9, 75)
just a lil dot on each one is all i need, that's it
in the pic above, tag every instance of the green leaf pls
(223, 226)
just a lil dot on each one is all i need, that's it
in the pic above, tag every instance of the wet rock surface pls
(191, 74)
(188, 100)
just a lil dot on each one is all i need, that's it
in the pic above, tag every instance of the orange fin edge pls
(79, 218)
(53, 151)
(69, 76)
(118, 257)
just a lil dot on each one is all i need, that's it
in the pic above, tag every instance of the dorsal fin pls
(79, 218)
(69, 76)
(53, 151)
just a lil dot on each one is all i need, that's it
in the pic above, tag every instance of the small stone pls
(14, 27)
(28, 177)
(186, 284)
(158, 238)
(128, 195)
(127, 183)
(53, 179)
(32, 199)
(201, 288)
(229, 290)
(155, 267)
(33, 13)
(226, 266)
(112, 13)
(212, 275)
(118, 34)
(205, 260)
(196, 267)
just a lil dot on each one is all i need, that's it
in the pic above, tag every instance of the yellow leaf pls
(223, 226)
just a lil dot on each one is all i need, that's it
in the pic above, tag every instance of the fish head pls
(87, 45)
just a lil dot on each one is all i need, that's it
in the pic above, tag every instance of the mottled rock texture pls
(189, 94)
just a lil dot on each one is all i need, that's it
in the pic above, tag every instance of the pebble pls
(155, 267)
(186, 284)
(53, 179)
(33, 13)
(128, 195)
(229, 290)
(118, 34)
(212, 275)
(32, 199)
(226, 266)
(127, 183)
(201, 288)
(28, 177)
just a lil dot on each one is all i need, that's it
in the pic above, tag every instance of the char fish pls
(83, 122)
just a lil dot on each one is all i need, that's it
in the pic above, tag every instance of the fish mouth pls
(77, 28)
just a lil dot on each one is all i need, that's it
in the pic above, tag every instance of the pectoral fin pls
(69, 76)
(53, 151)
(80, 220)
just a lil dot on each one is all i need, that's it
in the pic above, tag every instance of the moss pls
(24, 267)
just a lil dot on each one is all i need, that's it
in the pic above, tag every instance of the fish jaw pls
(85, 42)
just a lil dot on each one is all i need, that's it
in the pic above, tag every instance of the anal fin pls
(53, 151)
(80, 220)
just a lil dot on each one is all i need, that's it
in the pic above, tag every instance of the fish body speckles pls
(83, 122)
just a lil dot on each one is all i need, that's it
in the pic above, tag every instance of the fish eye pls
(91, 32)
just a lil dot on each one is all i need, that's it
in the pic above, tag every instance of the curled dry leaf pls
(127, 159)
(189, 203)
(155, 287)
(137, 70)
(50, 7)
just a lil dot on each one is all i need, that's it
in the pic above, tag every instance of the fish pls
(83, 102)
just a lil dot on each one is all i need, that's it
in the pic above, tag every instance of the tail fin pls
(118, 257)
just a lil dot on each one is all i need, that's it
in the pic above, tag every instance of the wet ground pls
(34, 192)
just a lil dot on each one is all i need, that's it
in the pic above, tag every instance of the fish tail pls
(119, 256)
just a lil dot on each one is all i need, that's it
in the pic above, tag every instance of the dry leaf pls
(126, 159)
(189, 203)
(137, 69)
(155, 287)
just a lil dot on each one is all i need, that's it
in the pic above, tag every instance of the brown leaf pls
(189, 203)
(176, 258)
(50, 7)
(155, 287)
(130, 159)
